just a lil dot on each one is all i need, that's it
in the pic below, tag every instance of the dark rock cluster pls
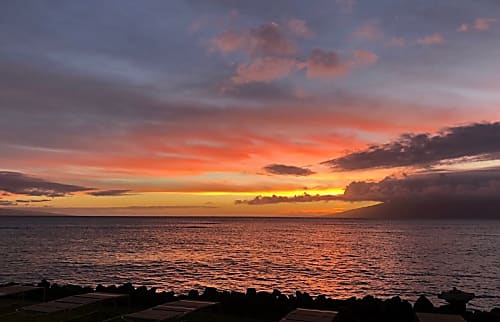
(274, 305)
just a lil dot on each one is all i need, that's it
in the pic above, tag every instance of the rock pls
(210, 294)
(193, 294)
(44, 283)
(423, 304)
(457, 300)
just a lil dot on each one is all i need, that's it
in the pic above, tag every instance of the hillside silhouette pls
(428, 209)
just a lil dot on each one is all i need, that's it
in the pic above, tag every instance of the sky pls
(221, 107)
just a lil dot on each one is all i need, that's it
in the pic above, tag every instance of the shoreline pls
(269, 306)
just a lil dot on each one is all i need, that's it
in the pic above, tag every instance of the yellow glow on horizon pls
(286, 193)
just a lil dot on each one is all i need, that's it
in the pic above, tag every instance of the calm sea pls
(339, 258)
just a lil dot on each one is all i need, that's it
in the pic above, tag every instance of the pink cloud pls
(265, 69)
(229, 41)
(434, 39)
(463, 27)
(481, 24)
(323, 63)
(299, 28)
(369, 31)
(484, 23)
(267, 39)
(362, 57)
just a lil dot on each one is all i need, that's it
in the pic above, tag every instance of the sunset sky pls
(217, 107)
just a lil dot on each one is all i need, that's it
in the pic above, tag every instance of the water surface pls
(339, 258)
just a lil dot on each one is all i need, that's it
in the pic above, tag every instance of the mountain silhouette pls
(428, 209)
(22, 212)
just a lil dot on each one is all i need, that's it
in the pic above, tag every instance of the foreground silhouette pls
(272, 306)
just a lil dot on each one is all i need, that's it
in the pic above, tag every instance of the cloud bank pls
(477, 185)
(476, 141)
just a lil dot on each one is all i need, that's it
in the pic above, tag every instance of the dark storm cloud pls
(21, 184)
(106, 193)
(283, 169)
(478, 141)
(265, 200)
(478, 184)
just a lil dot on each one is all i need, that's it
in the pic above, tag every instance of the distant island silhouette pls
(428, 209)
(19, 212)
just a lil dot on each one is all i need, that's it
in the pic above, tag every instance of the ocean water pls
(338, 258)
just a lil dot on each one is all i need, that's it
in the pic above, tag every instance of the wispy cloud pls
(369, 31)
(434, 39)
(480, 24)
(109, 193)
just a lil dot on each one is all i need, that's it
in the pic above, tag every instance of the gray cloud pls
(264, 200)
(477, 184)
(282, 169)
(115, 192)
(21, 184)
(477, 141)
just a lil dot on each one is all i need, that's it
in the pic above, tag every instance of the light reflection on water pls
(339, 258)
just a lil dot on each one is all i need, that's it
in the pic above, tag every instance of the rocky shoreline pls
(269, 306)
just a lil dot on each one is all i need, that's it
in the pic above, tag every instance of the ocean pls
(336, 257)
